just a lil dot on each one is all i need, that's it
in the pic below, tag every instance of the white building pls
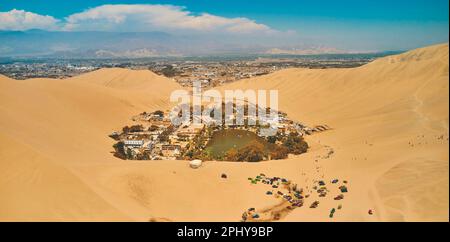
(134, 143)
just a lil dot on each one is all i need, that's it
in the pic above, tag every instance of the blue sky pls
(363, 25)
(265, 10)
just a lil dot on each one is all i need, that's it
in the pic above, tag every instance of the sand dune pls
(389, 137)
(375, 111)
(46, 112)
(125, 79)
(47, 124)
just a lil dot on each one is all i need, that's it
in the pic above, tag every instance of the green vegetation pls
(225, 142)
(229, 140)
(169, 71)
(159, 113)
(119, 150)
(164, 136)
(252, 153)
(295, 144)
(242, 145)
(279, 152)
(196, 149)
(115, 136)
(153, 128)
(133, 128)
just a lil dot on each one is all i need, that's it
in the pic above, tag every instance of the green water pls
(224, 140)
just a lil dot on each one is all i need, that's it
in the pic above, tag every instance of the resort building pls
(171, 150)
(133, 143)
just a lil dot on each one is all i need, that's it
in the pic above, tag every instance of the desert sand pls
(389, 139)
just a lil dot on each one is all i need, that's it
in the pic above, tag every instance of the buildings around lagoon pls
(155, 137)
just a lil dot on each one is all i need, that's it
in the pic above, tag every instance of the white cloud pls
(168, 18)
(133, 18)
(22, 20)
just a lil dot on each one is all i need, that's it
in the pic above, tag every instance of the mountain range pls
(95, 44)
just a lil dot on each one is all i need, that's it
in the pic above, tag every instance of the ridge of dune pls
(56, 109)
(390, 124)
(387, 118)
(4, 78)
(126, 79)
(324, 87)
(435, 52)
(48, 125)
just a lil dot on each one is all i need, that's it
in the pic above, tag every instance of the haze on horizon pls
(174, 28)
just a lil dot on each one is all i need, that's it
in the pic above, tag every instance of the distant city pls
(209, 70)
